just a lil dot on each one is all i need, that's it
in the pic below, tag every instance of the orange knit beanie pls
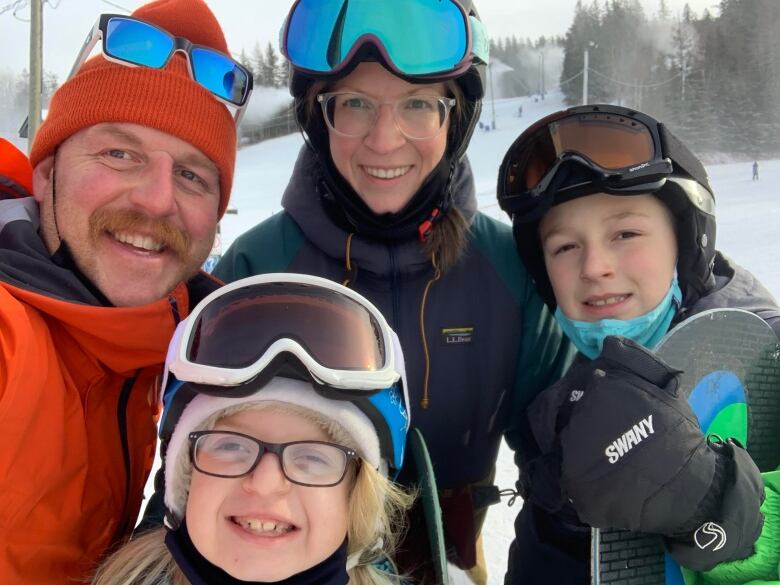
(166, 99)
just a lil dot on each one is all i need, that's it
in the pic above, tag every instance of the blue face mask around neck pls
(647, 329)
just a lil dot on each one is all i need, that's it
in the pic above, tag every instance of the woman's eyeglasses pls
(418, 117)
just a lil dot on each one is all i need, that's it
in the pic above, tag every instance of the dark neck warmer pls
(63, 258)
(348, 211)
(199, 571)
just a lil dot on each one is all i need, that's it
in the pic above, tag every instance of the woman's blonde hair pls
(376, 522)
(446, 242)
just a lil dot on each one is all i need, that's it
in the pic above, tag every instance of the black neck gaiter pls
(63, 258)
(348, 211)
(199, 571)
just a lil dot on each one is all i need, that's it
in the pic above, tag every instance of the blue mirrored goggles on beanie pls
(134, 42)
(416, 38)
(292, 325)
(586, 150)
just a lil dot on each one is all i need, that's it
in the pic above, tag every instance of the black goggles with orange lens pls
(585, 150)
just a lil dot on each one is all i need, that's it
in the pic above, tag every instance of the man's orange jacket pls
(78, 405)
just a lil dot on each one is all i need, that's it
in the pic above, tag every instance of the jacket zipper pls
(425, 401)
(395, 294)
(175, 310)
(124, 398)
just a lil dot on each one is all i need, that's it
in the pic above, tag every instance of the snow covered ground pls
(747, 232)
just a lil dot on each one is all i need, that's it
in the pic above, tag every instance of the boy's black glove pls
(634, 458)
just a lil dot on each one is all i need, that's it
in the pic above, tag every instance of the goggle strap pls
(683, 158)
(480, 42)
(176, 398)
(286, 365)
(386, 445)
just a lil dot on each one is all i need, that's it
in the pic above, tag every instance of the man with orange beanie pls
(132, 169)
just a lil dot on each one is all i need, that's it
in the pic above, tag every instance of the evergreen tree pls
(243, 58)
(582, 34)
(663, 11)
(270, 73)
(685, 45)
(22, 89)
(48, 87)
(283, 73)
(257, 62)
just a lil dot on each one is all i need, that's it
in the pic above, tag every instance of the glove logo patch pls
(576, 395)
(630, 439)
(708, 534)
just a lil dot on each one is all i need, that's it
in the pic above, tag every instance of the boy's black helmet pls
(681, 182)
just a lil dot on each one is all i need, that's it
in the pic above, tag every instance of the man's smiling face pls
(137, 207)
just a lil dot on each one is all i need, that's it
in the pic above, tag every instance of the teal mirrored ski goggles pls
(416, 38)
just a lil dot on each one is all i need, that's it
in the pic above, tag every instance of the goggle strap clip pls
(424, 229)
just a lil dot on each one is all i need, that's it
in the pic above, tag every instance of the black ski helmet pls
(685, 191)
(438, 195)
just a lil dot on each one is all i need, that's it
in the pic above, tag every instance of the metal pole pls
(585, 79)
(544, 89)
(539, 81)
(36, 69)
(492, 96)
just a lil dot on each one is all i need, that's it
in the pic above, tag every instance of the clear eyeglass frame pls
(445, 103)
(264, 448)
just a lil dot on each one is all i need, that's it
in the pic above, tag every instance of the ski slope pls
(747, 213)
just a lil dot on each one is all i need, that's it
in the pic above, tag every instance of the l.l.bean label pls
(457, 335)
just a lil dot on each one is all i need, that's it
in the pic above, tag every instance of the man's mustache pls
(130, 220)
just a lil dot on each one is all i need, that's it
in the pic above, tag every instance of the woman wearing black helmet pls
(615, 220)
(382, 199)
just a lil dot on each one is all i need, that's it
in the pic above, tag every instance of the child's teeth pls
(609, 301)
(264, 527)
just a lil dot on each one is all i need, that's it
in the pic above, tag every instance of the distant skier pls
(755, 170)
(610, 264)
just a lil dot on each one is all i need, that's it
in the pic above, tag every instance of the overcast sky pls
(66, 23)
